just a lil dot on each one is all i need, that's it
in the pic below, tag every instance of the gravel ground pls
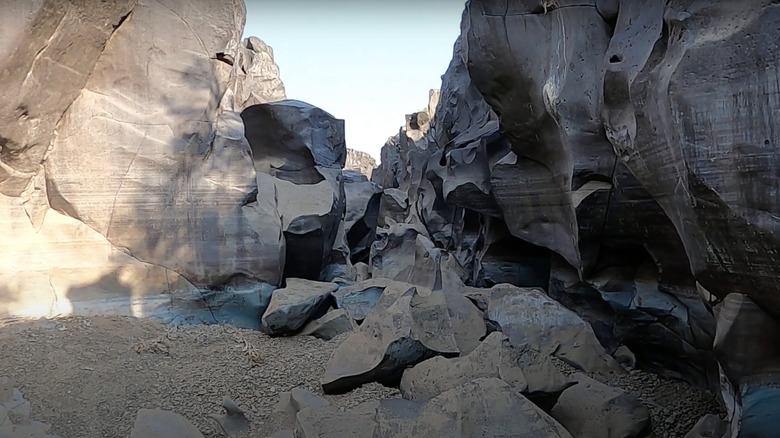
(88, 377)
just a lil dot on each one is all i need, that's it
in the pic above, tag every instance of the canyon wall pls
(622, 155)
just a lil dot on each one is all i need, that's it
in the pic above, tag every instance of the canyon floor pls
(88, 376)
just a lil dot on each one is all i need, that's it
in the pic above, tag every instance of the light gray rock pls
(331, 422)
(360, 162)
(258, 78)
(165, 173)
(590, 409)
(296, 304)
(382, 347)
(156, 423)
(407, 325)
(529, 316)
(523, 368)
(334, 323)
(485, 407)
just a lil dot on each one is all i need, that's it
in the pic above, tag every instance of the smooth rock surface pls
(485, 407)
(156, 423)
(529, 316)
(334, 323)
(590, 409)
(526, 370)
(296, 304)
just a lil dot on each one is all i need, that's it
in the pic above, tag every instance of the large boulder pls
(529, 316)
(299, 149)
(590, 409)
(177, 167)
(382, 347)
(407, 325)
(331, 422)
(484, 407)
(525, 369)
(297, 303)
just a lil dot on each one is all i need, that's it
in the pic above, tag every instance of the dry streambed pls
(88, 377)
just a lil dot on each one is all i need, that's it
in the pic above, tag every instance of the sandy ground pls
(88, 377)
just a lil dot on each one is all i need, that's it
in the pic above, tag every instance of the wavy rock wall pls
(621, 154)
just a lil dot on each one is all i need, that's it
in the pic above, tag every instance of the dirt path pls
(87, 377)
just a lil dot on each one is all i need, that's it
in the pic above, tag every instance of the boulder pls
(358, 299)
(484, 407)
(523, 368)
(296, 304)
(590, 409)
(302, 149)
(332, 324)
(156, 423)
(258, 78)
(361, 162)
(407, 325)
(529, 316)
(383, 346)
(331, 422)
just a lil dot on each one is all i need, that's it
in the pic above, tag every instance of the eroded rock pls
(296, 304)
(156, 423)
(529, 316)
(590, 409)
(486, 407)
(526, 370)
(332, 324)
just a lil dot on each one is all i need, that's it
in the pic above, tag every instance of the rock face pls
(604, 152)
(485, 407)
(134, 178)
(360, 162)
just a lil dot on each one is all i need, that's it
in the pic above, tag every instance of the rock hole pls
(615, 59)
(227, 59)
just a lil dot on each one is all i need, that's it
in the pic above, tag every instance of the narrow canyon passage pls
(576, 234)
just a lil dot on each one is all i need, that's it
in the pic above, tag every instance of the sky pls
(369, 62)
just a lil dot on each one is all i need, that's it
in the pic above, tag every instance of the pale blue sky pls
(368, 62)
